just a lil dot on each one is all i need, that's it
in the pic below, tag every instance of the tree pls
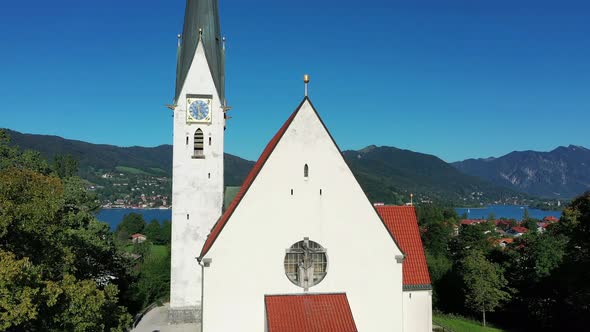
(154, 278)
(167, 231)
(11, 157)
(59, 269)
(484, 284)
(438, 225)
(530, 224)
(153, 231)
(473, 237)
(65, 166)
(570, 280)
(438, 267)
(540, 255)
(132, 223)
(526, 216)
(436, 238)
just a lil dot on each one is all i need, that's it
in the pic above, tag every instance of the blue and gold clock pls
(198, 110)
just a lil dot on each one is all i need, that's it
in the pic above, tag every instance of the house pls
(138, 238)
(469, 222)
(503, 242)
(503, 224)
(550, 219)
(517, 231)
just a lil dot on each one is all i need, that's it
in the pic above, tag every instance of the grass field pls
(130, 170)
(159, 250)
(460, 324)
(158, 171)
(156, 250)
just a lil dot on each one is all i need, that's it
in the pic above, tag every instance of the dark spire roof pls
(201, 14)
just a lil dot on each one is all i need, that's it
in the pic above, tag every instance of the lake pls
(114, 216)
(506, 211)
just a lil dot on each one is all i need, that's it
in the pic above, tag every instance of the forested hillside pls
(387, 174)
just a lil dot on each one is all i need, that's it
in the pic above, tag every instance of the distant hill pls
(561, 173)
(101, 157)
(386, 174)
(389, 175)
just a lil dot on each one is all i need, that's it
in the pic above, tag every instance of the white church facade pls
(300, 247)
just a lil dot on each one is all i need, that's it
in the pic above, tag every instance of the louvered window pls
(198, 148)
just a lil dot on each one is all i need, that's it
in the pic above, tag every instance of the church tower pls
(197, 178)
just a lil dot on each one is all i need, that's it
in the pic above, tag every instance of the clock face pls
(199, 110)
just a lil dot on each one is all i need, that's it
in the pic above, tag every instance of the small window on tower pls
(187, 140)
(306, 171)
(209, 141)
(198, 148)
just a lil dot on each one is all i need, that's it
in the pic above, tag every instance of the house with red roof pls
(469, 222)
(550, 219)
(301, 248)
(503, 242)
(517, 231)
(138, 238)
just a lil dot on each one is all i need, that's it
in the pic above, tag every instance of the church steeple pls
(197, 157)
(201, 25)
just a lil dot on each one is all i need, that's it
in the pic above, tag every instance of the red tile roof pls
(506, 240)
(309, 313)
(551, 219)
(402, 223)
(247, 183)
(472, 221)
(137, 235)
(502, 222)
(520, 229)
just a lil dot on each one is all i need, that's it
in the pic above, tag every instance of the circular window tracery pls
(306, 263)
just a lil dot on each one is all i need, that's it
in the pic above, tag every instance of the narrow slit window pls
(209, 175)
(320, 192)
(306, 171)
(187, 140)
(198, 148)
(209, 141)
(291, 192)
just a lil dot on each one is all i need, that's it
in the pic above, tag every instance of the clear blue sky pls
(456, 79)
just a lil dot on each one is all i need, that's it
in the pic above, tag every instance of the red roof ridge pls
(220, 224)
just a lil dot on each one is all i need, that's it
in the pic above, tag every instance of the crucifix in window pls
(306, 263)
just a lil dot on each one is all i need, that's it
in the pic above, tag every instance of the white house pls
(300, 248)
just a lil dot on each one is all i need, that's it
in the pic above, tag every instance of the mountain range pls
(387, 174)
(93, 158)
(561, 173)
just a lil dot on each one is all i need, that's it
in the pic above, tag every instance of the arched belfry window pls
(198, 147)
(306, 171)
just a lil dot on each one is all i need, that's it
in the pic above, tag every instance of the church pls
(300, 247)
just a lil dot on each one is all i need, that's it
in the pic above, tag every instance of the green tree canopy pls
(484, 284)
(153, 231)
(132, 223)
(59, 269)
